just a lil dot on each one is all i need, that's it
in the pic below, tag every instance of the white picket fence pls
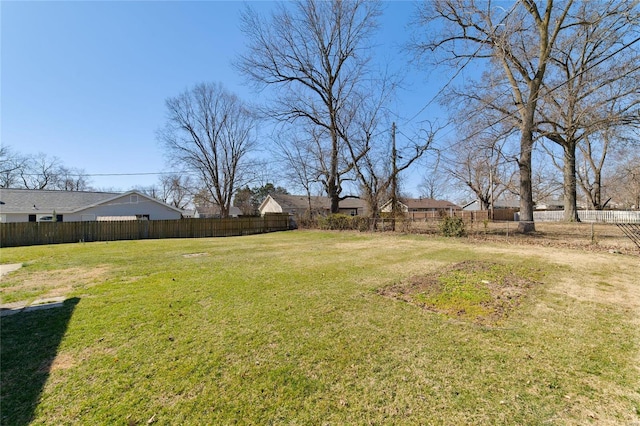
(605, 216)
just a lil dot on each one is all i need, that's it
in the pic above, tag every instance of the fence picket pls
(606, 216)
(37, 233)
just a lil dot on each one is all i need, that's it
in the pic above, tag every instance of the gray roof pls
(428, 203)
(301, 202)
(214, 210)
(497, 204)
(288, 202)
(32, 200)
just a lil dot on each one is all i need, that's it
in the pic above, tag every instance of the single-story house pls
(418, 207)
(497, 205)
(32, 205)
(298, 205)
(549, 204)
(213, 211)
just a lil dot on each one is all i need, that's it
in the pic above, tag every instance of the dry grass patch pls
(60, 362)
(188, 255)
(481, 292)
(28, 285)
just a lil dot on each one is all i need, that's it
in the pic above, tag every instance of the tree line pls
(560, 77)
(39, 171)
(551, 105)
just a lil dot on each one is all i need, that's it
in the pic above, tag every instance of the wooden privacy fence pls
(36, 233)
(504, 215)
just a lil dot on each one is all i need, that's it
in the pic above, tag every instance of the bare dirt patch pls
(188, 255)
(60, 362)
(482, 292)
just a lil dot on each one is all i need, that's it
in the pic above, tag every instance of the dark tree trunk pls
(526, 224)
(569, 172)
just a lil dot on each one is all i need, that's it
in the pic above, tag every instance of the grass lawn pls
(311, 327)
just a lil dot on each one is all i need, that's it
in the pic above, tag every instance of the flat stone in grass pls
(11, 308)
(14, 308)
(6, 268)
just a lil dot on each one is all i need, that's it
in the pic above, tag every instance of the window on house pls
(133, 199)
(142, 216)
(32, 218)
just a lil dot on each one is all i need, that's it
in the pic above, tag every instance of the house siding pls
(14, 217)
(24, 217)
(272, 206)
(123, 206)
(18, 205)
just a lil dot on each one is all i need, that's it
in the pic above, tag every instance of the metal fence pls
(604, 216)
(37, 233)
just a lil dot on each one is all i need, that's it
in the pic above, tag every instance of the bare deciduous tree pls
(625, 181)
(315, 53)
(11, 164)
(519, 42)
(483, 169)
(591, 88)
(72, 179)
(434, 183)
(177, 190)
(211, 131)
(593, 151)
(589, 167)
(39, 171)
(378, 171)
(296, 153)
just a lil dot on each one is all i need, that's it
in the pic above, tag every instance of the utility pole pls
(394, 176)
(491, 186)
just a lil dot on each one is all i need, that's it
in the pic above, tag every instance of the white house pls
(298, 205)
(411, 206)
(213, 211)
(31, 205)
(475, 205)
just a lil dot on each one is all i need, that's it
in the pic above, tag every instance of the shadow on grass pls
(28, 346)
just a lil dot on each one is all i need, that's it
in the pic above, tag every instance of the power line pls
(457, 73)
(181, 172)
(551, 90)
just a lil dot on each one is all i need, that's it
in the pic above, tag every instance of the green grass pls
(289, 328)
(476, 291)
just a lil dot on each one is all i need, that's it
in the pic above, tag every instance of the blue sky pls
(86, 81)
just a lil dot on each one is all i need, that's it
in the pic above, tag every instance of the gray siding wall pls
(122, 206)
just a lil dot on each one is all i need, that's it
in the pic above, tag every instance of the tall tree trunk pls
(373, 211)
(333, 184)
(526, 224)
(569, 172)
(334, 197)
(597, 191)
